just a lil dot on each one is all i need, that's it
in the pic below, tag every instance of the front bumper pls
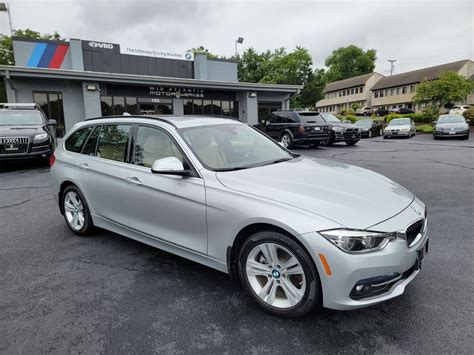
(346, 136)
(396, 134)
(311, 139)
(40, 153)
(347, 270)
(453, 135)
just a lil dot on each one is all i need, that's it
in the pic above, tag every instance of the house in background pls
(397, 91)
(342, 94)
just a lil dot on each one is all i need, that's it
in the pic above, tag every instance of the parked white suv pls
(458, 110)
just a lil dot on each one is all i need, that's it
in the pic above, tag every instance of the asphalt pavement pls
(107, 294)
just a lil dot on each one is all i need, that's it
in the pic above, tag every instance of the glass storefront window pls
(216, 108)
(131, 105)
(207, 107)
(188, 107)
(119, 105)
(226, 108)
(197, 107)
(52, 105)
(106, 105)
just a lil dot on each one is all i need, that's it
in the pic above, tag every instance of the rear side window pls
(91, 144)
(113, 142)
(75, 142)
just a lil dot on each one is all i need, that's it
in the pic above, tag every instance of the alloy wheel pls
(286, 140)
(74, 210)
(275, 275)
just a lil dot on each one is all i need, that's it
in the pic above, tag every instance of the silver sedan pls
(294, 229)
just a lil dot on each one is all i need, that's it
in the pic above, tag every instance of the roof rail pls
(32, 106)
(134, 116)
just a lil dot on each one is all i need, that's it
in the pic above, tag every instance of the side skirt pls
(159, 243)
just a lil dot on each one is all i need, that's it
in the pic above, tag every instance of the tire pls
(74, 206)
(314, 145)
(286, 140)
(370, 134)
(330, 141)
(351, 142)
(305, 286)
(465, 138)
(436, 138)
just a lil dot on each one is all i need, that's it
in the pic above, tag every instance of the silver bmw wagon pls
(297, 231)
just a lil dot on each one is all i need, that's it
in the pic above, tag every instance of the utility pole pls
(392, 66)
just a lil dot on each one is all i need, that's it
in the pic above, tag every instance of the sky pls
(417, 33)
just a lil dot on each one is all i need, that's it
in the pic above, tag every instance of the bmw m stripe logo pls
(47, 55)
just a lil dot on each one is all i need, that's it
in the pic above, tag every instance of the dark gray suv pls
(25, 132)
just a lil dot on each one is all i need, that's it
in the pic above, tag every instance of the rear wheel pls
(76, 211)
(279, 274)
(286, 140)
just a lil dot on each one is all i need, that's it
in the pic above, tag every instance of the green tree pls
(350, 61)
(311, 92)
(288, 68)
(251, 65)
(450, 87)
(203, 50)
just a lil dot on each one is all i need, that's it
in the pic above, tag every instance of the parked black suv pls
(339, 131)
(25, 132)
(295, 127)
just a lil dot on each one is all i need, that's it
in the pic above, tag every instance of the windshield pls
(364, 123)
(227, 147)
(451, 119)
(20, 118)
(328, 117)
(399, 121)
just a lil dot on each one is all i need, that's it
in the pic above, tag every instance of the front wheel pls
(370, 134)
(286, 140)
(76, 211)
(351, 142)
(279, 274)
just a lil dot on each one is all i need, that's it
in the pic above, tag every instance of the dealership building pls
(78, 79)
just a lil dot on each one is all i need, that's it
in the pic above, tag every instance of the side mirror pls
(433, 123)
(468, 121)
(169, 166)
(52, 122)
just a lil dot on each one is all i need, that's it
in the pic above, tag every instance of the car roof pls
(174, 120)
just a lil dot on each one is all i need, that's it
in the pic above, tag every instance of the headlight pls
(40, 137)
(365, 129)
(358, 241)
(338, 129)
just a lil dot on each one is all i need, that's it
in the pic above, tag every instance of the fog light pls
(359, 288)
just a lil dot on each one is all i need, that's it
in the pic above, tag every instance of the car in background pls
(292, 128)
(382, 111)
(402, 111)
(458, 109)
(400, 127)
(369, 128)
(25, 132)
(451, 126)
(339, 131)
(297, 231)
(364, 111)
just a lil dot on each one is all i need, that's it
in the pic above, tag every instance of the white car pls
(458, 110)
(400, 127)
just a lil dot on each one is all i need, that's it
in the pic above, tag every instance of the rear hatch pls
(311, 123)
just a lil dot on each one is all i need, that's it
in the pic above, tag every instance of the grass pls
(426, 128)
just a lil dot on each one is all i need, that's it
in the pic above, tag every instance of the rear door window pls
(76, 140)
(113, 142)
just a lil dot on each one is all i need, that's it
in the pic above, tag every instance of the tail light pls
(301, 129)
(52, 159)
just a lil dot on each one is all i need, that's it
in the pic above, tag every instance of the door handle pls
(84, 166)
(134, 180)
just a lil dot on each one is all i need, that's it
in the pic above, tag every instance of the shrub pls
(425, 128)
(425, 117)
(348, 112)
(469, 114)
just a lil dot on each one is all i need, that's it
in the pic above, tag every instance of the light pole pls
(5, 7)
(392, 66)
(239, 40)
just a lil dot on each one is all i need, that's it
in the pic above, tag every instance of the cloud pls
(417, 33)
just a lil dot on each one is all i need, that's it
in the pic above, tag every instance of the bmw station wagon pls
(221, 193)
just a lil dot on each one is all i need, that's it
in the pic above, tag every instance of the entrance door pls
(265, 109)
(146, 109)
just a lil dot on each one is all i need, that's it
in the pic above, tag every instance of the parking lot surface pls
(107, 294)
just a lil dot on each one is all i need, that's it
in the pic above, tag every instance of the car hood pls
(341, 124)
(26, 131)
(351, 196)
(452, 125)
(399, 126)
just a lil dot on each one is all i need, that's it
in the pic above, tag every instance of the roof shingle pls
(348, 83)
(417, 76)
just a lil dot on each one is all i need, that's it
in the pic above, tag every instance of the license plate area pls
(452, 132)
(12, 147)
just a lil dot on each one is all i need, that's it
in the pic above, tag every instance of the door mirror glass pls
(169, 165)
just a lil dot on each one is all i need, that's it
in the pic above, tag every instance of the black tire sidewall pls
(88, 225)
(313, 286)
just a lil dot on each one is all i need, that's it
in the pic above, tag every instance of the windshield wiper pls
(277, 161)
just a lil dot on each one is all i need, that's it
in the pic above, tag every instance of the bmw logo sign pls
(188, 55)
(276, 274)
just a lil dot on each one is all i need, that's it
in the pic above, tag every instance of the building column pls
(178, 108)
(91, 93)
(248, 107)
